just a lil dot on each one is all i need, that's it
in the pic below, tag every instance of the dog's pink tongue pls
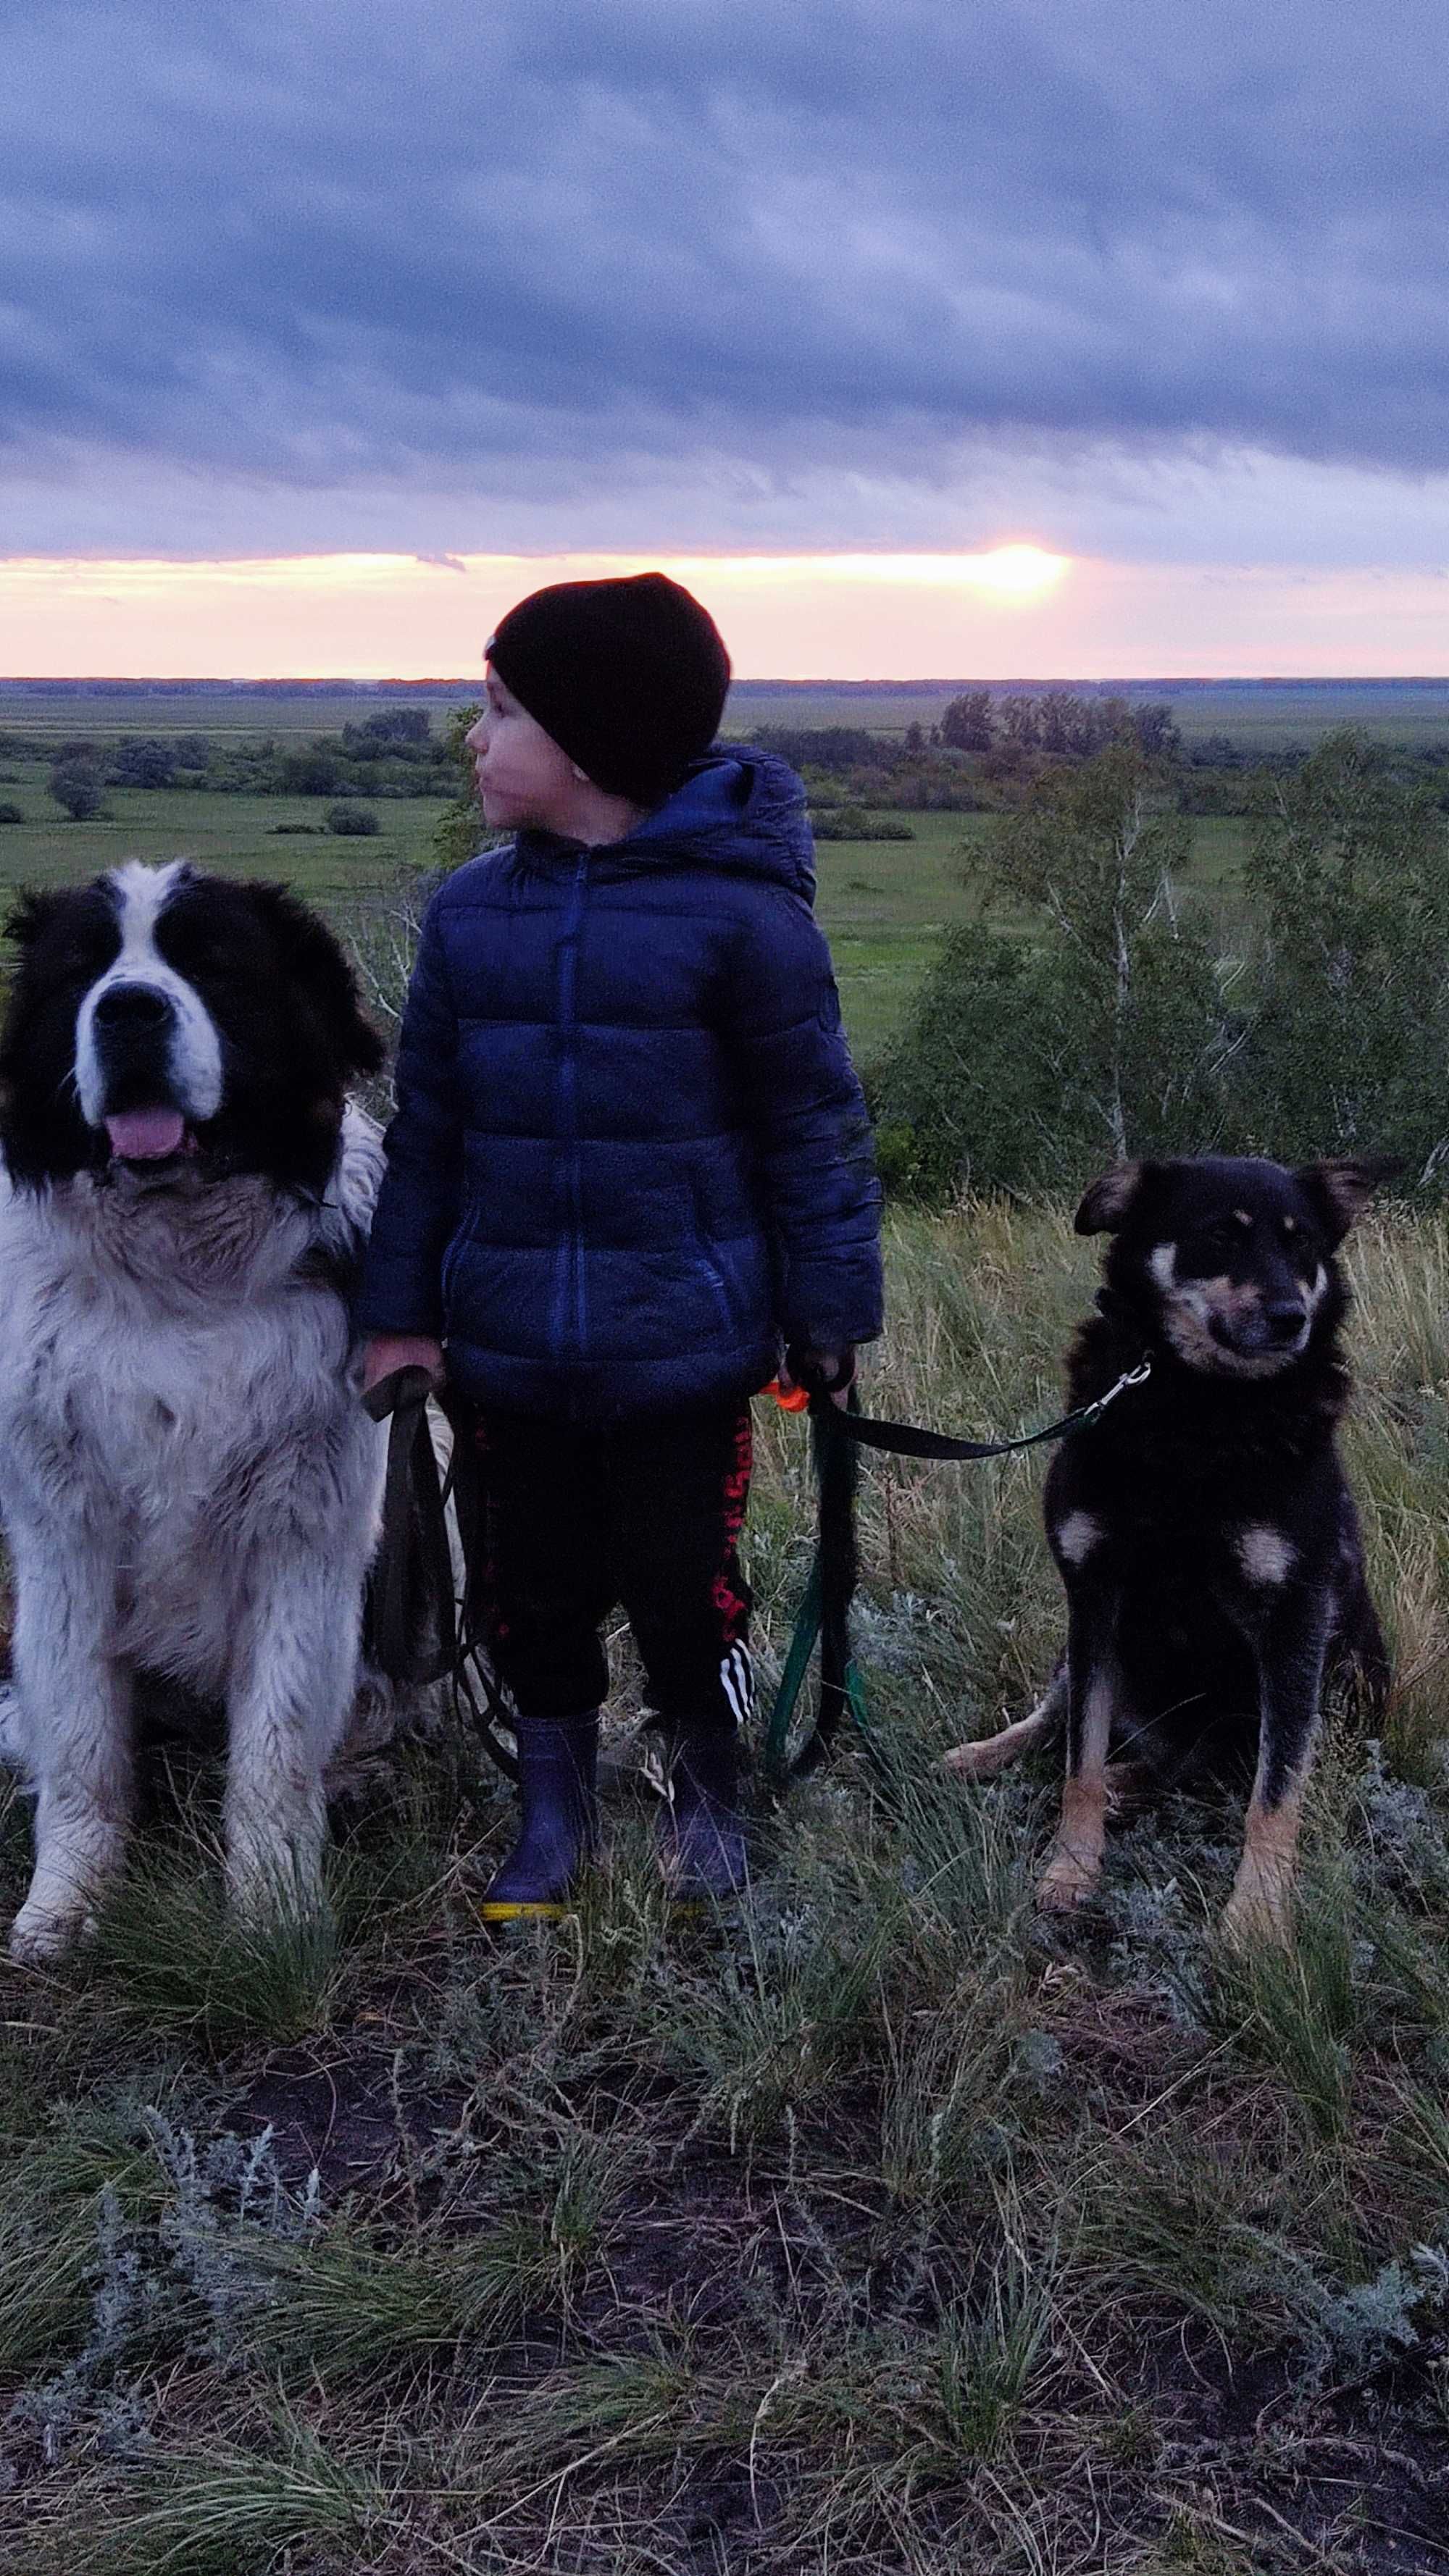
(146, 1135)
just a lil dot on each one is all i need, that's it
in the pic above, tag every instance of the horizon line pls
(344, 682)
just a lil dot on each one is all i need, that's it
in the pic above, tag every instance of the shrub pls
(142, 762)
(352, 822)
(829, 746)
(309, 773)
(853, 823)
(11, 813)
(76, 784)
(392, 726)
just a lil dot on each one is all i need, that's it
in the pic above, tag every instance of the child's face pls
(522, 775)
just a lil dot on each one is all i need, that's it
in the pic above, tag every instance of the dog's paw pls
(1068, 1879)
(1259, 1913)
(40, 1935)
(973, 1761)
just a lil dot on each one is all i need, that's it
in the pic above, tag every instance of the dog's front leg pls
(294, 1672)
(72, 1732)
(1092, 1691)
(1290, 1672)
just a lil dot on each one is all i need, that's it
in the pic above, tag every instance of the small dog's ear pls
(1341, 1188)
(1108, 1200)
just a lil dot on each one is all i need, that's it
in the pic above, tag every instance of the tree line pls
(393, 753)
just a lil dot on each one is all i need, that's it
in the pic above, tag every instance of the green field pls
(101, 717)
(882, 904)
(229, 833)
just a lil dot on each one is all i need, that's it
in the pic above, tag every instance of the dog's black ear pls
(315, 959)
(1341, 1188)
(1108, 1200)
(33, 910)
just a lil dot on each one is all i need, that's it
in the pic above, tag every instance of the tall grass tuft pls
(171, 1957)
(225, 2510)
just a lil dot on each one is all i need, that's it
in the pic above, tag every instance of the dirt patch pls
(340, 2116)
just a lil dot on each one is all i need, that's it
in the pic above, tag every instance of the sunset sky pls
(1036, 338)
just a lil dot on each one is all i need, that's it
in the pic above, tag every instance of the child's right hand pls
(829, 1373)
(388, 1351)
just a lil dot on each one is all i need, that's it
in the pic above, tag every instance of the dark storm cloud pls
(566, 247)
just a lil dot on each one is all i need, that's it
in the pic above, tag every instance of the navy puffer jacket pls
(630, 1151)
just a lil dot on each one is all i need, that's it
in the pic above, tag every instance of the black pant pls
(647, 1514)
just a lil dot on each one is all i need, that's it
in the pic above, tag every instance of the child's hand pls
(388, 1351)
(829, 1373)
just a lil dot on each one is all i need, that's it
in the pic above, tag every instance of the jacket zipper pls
(570, 1317)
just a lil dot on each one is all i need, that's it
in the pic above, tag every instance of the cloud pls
(599, 268)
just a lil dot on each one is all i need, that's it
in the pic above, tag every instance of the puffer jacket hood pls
(740, 810)
(630, 1154)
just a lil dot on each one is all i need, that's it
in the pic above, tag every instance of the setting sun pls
(1015, 572)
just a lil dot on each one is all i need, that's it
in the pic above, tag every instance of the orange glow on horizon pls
(1014, 610)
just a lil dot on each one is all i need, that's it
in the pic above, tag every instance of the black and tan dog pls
(1202, 1526)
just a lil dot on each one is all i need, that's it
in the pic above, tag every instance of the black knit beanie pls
(629, 677)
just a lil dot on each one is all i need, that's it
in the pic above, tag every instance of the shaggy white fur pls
(188, 1484)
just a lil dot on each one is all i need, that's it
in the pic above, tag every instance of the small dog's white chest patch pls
(1077, 1537)
(1265, 1555)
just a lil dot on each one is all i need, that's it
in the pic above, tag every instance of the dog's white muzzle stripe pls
(193, 1052)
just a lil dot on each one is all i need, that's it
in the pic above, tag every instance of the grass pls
(292, 715)
(237, 835)
(883, 2226)
(882, 904)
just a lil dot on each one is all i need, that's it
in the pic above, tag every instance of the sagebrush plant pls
(878, 2227)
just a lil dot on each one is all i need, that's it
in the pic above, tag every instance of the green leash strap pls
(778, 1767)
(797, 1664)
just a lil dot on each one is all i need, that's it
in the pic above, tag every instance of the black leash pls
(419, 1634)
(908, 1440)
(414, 1619)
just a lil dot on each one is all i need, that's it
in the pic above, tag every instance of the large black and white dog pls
(188, 1483)
(1202, 1526)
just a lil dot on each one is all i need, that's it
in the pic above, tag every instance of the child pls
(630, 1160)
